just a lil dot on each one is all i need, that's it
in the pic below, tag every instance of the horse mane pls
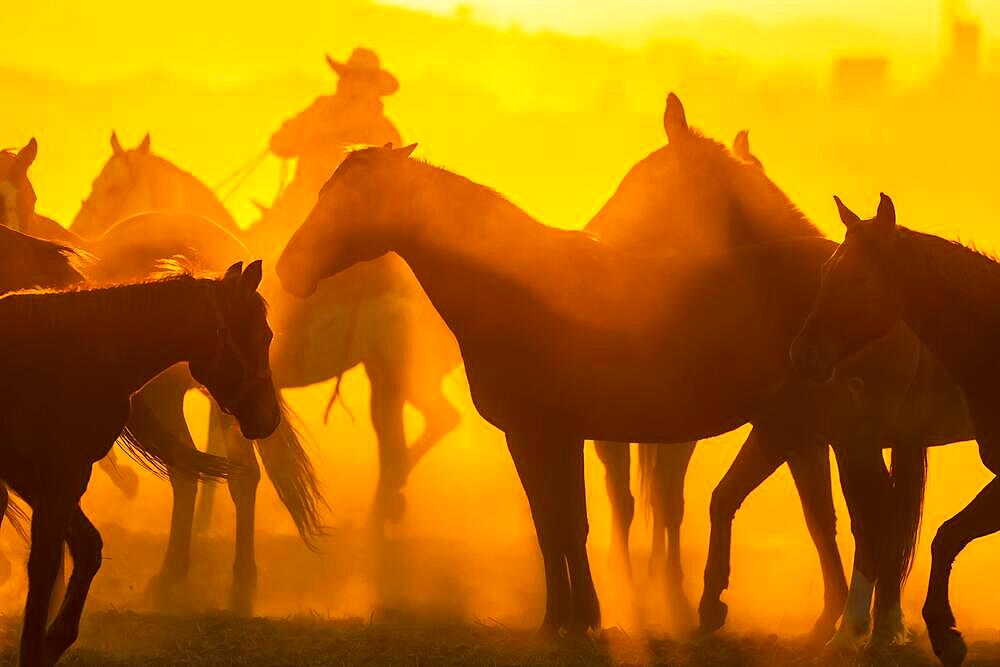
(963, 269)
(762, 205)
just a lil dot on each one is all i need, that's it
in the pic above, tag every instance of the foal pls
(946, 293)
(87, 352)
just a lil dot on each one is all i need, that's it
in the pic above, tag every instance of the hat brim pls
(384, 82)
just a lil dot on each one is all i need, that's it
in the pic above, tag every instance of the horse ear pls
(116, 145)
(233, 272)
(330, 61)
(847, 216)
(741, 145)
(23, 160)
(143, 148)
(252, 276)
(674, 121)
(885, 217)
(405, 151)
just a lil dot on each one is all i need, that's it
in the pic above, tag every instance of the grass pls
(126, 638)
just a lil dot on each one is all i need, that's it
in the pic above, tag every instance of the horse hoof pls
(847, 639)
(549, 631)
(391, 505)
(822, 632)
(241, 601)
(948, 646)
(712, 615)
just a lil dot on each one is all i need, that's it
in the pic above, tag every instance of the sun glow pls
(551, 104)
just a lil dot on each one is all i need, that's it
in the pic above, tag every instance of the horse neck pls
(468, 236)
(948, 294)
(132, 332)
(177, 190)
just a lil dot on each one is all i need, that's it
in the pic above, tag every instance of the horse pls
(607, 337)
(26, 263)
(693, 195)
(881, 275)
(88, 352)
(629, 220)
(132, 251)
(137, 180)
(376, 317)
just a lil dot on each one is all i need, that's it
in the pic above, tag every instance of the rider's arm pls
(296, 133)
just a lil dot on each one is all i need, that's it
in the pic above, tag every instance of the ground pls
(127, 638)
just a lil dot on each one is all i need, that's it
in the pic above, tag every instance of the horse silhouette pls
(692, 195)
(881, 275)
(88, 352)
(565, 338)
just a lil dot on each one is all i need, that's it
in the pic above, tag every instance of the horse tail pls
(293, 476)
(909, 478)
(160, 451)
(333, 399)
(648, 457)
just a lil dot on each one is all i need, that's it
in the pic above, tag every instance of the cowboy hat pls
(365, 63)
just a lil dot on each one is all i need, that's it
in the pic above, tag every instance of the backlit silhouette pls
(88, 352)
(618, 343)
(884, 274)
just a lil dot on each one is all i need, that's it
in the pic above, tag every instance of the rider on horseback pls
(319, 136)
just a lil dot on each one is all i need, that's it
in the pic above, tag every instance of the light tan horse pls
(132, 250)
(376, 317)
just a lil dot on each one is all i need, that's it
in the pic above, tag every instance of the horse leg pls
(754, 463)
(531, 458)
(243, 490)
(85, 547)
(219, 433)
(167, 423)
(387, 418)
(667, 491)
(867, 490)
(810, 468)
(617, 468)
(49, 524)
(979, 518)
(440, 417)
(566, 465)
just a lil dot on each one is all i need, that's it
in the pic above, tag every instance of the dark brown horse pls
(565, 339)
(88, 352)
(695, 196)
(884, 274)
(25, 263)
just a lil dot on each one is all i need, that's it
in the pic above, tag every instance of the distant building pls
(963, 34)
(860, 78)
(966, 44)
